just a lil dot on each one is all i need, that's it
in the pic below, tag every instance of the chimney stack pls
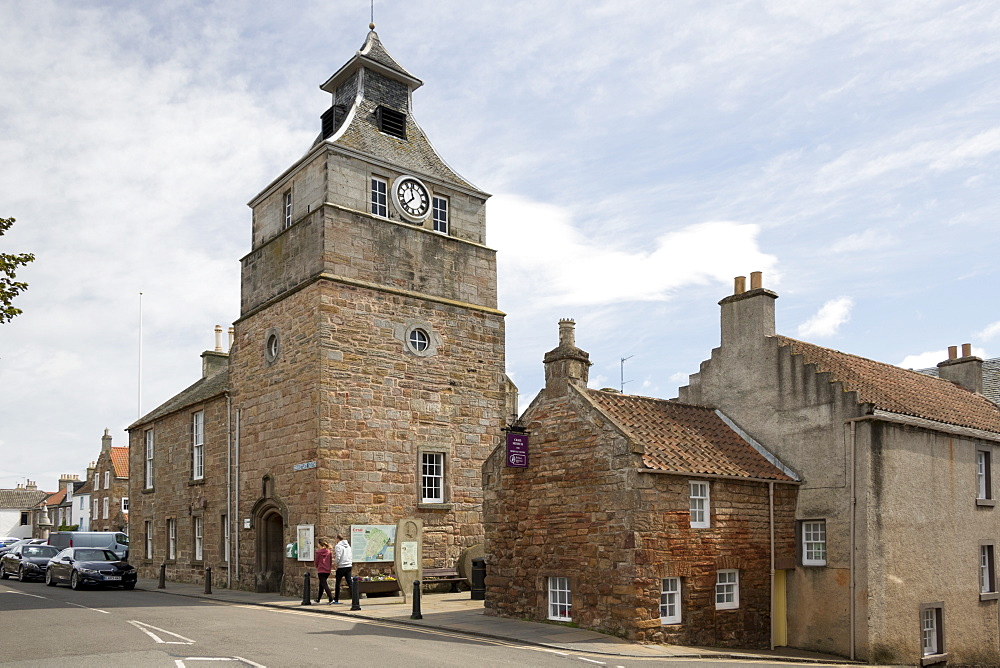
(747, 315)
(966, 370)
(566, 364)
(106, 441)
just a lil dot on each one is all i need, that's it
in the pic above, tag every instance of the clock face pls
(411, 198)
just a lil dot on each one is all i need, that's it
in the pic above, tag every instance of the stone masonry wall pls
(176, 495)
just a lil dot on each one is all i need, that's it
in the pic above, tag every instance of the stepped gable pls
(683, 438)
(897, 390)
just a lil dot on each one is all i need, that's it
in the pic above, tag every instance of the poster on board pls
(304, 540)
(373, 542)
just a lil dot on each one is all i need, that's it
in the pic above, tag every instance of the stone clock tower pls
(367, 374)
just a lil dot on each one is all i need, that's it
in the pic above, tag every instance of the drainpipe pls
(229, 489)
(770, 507)
(237, 493)
(854, 505)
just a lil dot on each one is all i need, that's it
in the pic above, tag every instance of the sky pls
(639, 155)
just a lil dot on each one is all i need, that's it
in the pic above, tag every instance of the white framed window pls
(198, 445)
(932, 629)
(432, 477)
(984, 484)
(124, 504)
(107, 480)
(148, 526)
(560, 600)
(440, 213)
(148, 469)
(814, 543)
(104, 508)
(171, 539)
(199, 525)
(224, 523)
(699, 505)
(286, 205)
(97, 481)
(380, 189)
(419, 340)
(670, 601)
(94, 512)
(987, 569)
(727, 589)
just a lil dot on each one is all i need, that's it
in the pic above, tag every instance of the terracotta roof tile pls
(897, 390)
(55, 498)
(686, 439)
(119, 458)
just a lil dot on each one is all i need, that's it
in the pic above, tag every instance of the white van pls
(116, 541)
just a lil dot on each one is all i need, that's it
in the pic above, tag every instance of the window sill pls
(815, 565)
(433, 506)
(986, 503)
(989, 596)
(197, 481)
(149, 490)
(932, 659)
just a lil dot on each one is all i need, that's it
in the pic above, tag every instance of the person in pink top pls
(323, 561)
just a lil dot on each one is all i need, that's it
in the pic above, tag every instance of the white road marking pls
(599, 663)
(180, 663)
(103, 612)
(145, 629)
(23, 593)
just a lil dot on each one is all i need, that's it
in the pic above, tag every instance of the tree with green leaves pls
(10, 288)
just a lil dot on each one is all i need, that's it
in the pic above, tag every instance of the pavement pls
(458, 613)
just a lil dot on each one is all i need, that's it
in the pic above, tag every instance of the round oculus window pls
(419, 340)
(271, 347)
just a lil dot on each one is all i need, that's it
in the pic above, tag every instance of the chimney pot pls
(756, 280)
(218, 338)
(966, 350)
(232, 337)
(739, 285)
(953, 352)
(567, 332)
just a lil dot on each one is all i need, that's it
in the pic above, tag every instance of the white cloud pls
(828, 319)
(989, 333)
(925, 360)
(546, 261)
(868, 240)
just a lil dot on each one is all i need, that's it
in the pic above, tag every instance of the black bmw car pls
(89, 565)
(26, 561)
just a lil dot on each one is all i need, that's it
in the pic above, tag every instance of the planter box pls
(375, 587)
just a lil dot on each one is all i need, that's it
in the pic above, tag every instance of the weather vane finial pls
(371, 26)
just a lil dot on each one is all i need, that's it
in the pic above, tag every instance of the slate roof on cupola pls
(683, 438)
(902, 391)
(373, 49)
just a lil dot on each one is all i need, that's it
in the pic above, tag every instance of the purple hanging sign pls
(517, 450)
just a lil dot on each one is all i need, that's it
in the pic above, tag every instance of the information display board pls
(373, 542)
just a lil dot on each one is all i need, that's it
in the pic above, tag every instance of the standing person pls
(323, 561)
(344, 560)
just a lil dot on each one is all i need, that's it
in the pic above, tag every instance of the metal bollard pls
(478, 580)
(163, 577)
(416, 601)
(306, 598)
(356, 593)
(208, 579)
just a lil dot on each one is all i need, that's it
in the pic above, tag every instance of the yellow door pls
(779, 611)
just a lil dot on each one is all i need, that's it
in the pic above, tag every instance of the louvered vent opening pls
(331, 119)
(391, 122)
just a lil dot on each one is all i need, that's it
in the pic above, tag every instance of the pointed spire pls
(374, 56)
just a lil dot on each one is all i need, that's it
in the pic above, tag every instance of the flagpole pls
(139, 384)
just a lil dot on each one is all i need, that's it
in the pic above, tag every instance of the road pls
(56, 626)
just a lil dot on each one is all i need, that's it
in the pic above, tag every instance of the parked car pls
(26, 561)
(116, 541)
(80, 566)
(21, 541)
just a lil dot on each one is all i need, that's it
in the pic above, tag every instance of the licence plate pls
(112, 577)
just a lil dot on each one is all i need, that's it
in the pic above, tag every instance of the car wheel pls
(128, 585)
(21, 575)
(49, 580)
(74, 581)
(3, 573)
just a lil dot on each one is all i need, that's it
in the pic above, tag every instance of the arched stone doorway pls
(269, 520)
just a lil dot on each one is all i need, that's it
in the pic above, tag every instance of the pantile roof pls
(683, 438)
(21, 499)
(55, 498)
(991, 378)
(897, 390)
(119, 459)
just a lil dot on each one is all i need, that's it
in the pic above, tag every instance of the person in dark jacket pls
(323, 561)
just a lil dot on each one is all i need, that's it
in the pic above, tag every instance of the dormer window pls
(391, 121)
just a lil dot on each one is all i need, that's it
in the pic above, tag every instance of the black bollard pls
(355, 593)
(163, 577)
(306, 598)
(208, 579)
(416, 601)
(478, 580)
